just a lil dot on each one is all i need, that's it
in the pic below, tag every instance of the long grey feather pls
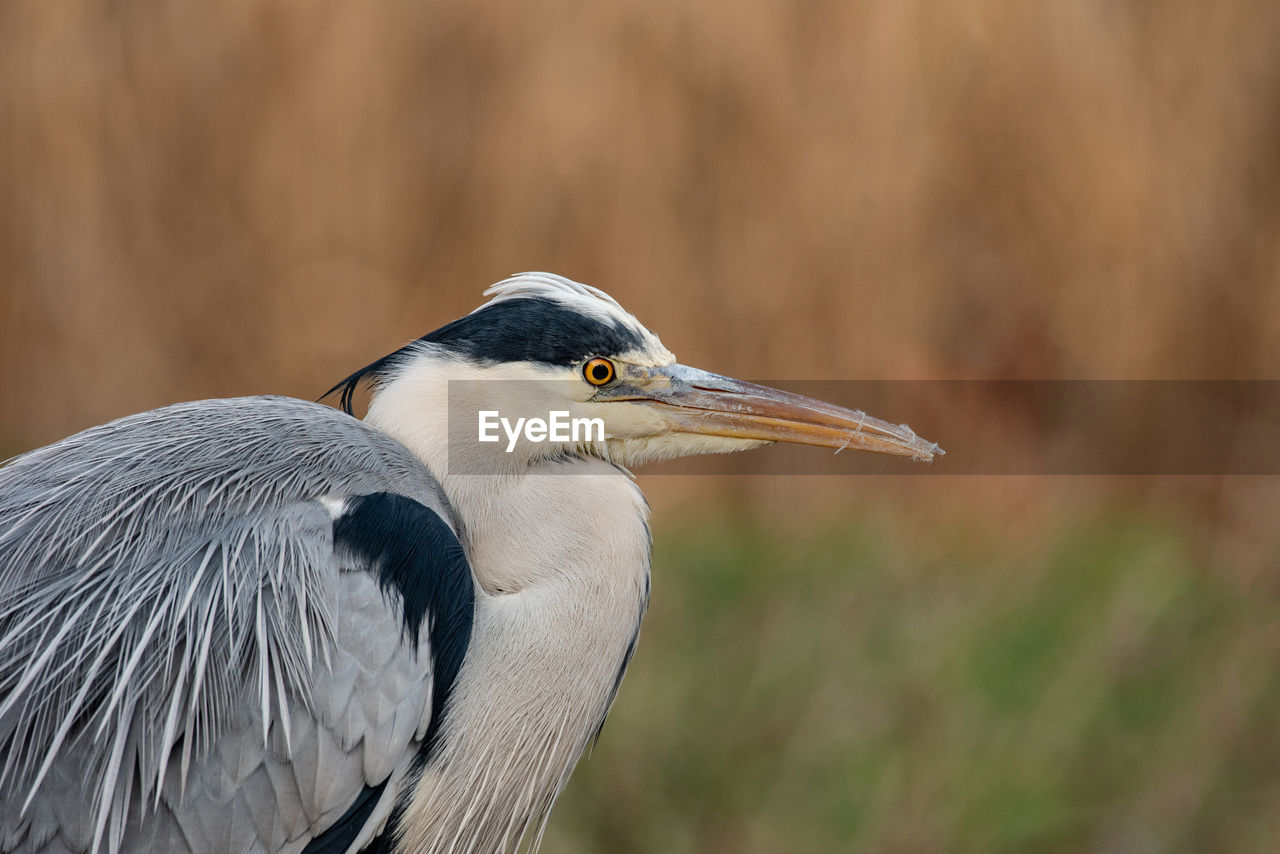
(165, 579)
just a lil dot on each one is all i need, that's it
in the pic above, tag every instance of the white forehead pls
(584, 299)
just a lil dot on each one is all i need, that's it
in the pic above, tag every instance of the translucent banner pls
(985, 427)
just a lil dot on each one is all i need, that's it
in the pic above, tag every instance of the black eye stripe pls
(530, 329)
(533, 330)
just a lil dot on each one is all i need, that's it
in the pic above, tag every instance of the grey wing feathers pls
(183, 661)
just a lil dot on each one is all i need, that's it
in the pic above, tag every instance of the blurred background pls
(202, 200)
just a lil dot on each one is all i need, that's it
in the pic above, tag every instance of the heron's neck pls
(525, 522)
(561, 552)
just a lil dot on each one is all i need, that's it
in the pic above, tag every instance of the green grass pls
(840, 691)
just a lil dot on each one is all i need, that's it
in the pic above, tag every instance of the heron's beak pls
(693, 401)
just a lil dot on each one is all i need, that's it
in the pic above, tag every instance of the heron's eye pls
(598, 371)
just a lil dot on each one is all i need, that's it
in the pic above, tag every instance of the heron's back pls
(186, 663)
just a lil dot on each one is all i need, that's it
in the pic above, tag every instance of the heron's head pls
(550, 368)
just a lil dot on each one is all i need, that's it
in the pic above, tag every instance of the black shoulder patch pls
(420, 562)
(338, 838)
(528, 329)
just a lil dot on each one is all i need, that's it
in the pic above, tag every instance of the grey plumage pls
(225, 620)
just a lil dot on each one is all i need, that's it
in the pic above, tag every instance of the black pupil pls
(599, 372)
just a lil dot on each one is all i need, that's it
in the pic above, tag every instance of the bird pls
(262, 624)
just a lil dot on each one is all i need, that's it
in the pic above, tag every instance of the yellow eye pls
(598, 371)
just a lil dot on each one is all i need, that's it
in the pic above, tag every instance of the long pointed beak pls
(695, 401)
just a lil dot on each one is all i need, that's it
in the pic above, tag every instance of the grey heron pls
(263, 625)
